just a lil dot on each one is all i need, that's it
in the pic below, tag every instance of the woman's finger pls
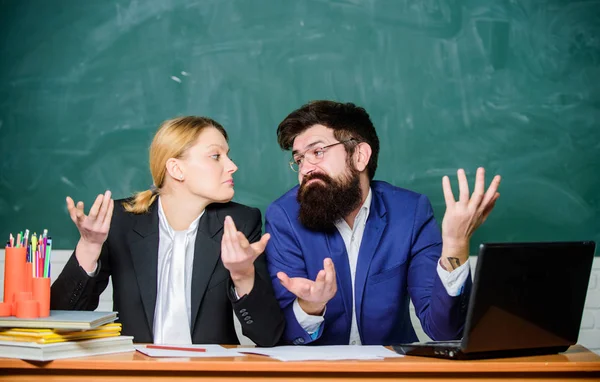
(71, 209)
(96, 207)
(108, 216)
(104, 207)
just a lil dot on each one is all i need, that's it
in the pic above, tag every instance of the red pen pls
(167, 347)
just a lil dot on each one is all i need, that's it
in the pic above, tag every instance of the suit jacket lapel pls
(339, 255)
(207, 251)
(143, 246)
(374, 228)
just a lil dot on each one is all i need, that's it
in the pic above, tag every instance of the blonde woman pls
(178, 263)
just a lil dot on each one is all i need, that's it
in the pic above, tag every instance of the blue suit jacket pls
(397, 261)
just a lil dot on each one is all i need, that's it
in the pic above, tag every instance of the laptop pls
(526, 299)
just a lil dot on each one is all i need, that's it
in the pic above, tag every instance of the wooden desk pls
(577, 363)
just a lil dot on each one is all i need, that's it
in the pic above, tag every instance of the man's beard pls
(324, 202)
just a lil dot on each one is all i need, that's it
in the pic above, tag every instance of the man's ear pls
(362, 154)
(174, 170)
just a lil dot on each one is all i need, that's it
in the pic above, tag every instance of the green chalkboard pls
(510, 85)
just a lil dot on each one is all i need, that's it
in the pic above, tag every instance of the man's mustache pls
(320, 176)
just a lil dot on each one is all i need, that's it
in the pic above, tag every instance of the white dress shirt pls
(452, 281)
(172, 314)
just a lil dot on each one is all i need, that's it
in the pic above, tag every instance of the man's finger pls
(492, 190)
(463, 186)
(329, 274)
(284, 279)
(320, 277)
(478, 193)
(298, 289)
(489, 207)
(447, 188)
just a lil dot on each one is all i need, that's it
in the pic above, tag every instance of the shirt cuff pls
(454, 281)
(308, 322)
(95, 271)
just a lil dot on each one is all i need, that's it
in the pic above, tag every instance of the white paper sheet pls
(324, 353)
(210, 351)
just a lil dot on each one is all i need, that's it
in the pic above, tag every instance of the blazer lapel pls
(207, 251)
(374, 228)
(339, 255)
(143, 246)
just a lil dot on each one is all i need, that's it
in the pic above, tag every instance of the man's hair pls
(346, 119)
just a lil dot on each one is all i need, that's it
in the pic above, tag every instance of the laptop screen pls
(527, 295)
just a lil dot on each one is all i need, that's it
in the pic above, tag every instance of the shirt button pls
(353, 343)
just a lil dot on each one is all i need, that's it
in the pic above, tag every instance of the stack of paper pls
(63, 334)
(47, 352)
(324, 353)
(47, 336)
(62, 319)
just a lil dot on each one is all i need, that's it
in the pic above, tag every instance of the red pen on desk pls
(167, 347)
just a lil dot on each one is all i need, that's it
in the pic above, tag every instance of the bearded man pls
(347, 253)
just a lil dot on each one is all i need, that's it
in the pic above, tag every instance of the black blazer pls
(130, 257)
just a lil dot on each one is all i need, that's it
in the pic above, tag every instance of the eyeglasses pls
(313, 155)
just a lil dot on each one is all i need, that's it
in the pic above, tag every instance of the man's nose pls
(307, 167)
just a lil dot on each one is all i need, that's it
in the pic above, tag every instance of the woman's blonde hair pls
(172, 140)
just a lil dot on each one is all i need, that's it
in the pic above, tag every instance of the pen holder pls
(41, 294)
(28, 277)
(14, 272)
(5, 309)
(27, 309)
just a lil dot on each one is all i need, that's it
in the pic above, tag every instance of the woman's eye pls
(216, 156)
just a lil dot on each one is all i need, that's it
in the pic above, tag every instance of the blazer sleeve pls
(442, 316)
(74, 289)
(258, 312)
(285, 255)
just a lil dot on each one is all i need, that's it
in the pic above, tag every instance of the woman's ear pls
(362, 154)
(174, 170)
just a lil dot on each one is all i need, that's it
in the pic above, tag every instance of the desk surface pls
(577, 363)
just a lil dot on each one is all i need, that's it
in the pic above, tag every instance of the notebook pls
(62, 319)
(47, 336)
(32, 351)
(527, 299)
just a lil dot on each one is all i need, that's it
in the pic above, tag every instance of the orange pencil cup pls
(27, 309)
(14, 272)
(41, 293)
(28, 277)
